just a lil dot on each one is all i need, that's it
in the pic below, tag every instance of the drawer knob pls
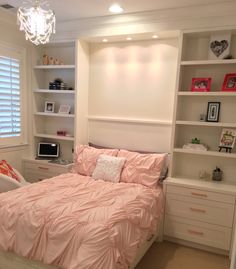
(197, 210)
(43, 168)
(199, 194)
(196, 232)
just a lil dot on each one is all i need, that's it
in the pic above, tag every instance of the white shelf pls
(129, 120)
(53, 91)
(58, 137)
(68, 66)
(209, 124)
(209, 62)
(54, 115)
(218, 94)
(206, 153)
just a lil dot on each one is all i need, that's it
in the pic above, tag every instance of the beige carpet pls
(168, 255)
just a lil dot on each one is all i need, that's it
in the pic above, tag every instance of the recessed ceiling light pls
(128, 38)
(104, 40)
(155, 36)
(116, 8)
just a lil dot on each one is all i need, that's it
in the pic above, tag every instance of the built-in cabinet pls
(191, 214)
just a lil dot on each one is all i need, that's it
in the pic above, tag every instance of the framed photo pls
(64, 109)
(201, 84)
(213, 111)
(229, 84)
(227, 139)
(219, 46)
(49, 107)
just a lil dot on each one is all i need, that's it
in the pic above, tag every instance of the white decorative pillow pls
(108, 168)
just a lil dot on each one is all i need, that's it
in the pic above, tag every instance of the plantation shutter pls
(10, 108)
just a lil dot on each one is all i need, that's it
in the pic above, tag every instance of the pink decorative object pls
(86, 158)
(229, 84)
(62, 133)
(201, 84)
(143, 169)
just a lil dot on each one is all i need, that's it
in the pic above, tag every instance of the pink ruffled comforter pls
(74, 222)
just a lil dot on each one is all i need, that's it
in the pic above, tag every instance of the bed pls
(76, 221)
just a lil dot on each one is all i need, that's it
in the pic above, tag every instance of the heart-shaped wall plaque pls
(218, 47)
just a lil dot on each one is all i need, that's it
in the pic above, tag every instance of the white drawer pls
(34, 171)
(32, 177)
(52, 169)
(200, 210)
(201, 194)
(198, 232)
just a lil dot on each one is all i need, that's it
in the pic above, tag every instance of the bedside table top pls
(220, 187)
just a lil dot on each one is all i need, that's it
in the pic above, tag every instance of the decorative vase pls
(217, 175)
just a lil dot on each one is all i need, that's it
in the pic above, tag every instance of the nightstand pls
(37, 170)
(200, 213)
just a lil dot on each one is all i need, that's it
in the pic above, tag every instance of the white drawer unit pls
(199, 215)
(37, 170)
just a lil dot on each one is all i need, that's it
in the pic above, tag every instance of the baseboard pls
(197, 246)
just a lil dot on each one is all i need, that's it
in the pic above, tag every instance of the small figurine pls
(51, 61)
(56, 62)
(45, 59)
(195, 141)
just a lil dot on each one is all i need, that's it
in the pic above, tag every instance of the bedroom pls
(124, 97)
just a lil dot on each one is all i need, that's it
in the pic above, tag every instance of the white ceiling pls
(77, 9)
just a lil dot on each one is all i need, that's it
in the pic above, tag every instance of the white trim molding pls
(201, 16)
(130, 120)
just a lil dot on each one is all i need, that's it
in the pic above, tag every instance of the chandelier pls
(37, 20)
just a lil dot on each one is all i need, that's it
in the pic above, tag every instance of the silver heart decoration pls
(218, 47)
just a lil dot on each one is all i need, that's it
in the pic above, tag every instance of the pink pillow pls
(143, 169)
(86, 158)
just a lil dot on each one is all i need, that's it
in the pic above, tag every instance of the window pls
(11, 120)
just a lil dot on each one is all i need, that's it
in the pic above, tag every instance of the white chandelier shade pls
(37, 21)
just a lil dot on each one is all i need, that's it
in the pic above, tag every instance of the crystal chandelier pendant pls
(37, 21)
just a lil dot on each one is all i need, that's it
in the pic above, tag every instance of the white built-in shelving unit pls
(194, 62)
(47, 124)
(195, 204)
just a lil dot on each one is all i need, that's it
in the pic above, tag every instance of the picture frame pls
(201, 84)
(229, 84)
(227, 139)
(219, 46)
(49, 107)
(64, 109)
(213, 111)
